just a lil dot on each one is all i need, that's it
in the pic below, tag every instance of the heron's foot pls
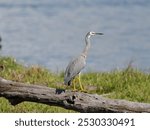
(75, 90)
(83, 90)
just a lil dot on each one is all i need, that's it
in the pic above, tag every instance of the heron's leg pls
(74, 87)
(79, 78)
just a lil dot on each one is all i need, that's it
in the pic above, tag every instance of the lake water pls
(51, 32)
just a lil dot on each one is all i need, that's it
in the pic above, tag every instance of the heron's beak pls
(99, 33)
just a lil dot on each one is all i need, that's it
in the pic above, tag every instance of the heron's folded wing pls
(74, 67)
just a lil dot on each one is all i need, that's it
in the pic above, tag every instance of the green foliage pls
(130, 84)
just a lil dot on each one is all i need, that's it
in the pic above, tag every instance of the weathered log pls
(17, 92)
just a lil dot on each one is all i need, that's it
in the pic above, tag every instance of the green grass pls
(130, 84)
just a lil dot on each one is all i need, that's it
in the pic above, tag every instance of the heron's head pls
(89, 34)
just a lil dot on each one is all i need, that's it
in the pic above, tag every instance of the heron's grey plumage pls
(76, 65)
(74, 68)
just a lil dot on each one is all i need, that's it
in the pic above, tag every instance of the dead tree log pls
(82, 102)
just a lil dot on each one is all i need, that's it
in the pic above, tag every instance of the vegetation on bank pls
(130, 84)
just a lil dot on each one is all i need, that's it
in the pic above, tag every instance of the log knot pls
(71, 99)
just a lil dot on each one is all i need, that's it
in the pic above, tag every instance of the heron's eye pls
(92, 33)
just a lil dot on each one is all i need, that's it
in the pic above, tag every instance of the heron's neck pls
(87, 46)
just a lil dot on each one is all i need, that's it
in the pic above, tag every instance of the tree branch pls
(17, 92)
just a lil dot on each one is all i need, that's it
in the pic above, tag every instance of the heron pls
(77, 64)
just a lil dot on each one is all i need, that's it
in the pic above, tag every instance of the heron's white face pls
(89, 34)
(92, 33)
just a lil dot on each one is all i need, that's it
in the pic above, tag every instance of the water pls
(49, 33)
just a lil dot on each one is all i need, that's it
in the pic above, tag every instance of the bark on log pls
(17, 92)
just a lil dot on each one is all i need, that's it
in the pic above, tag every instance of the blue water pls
(51, 32)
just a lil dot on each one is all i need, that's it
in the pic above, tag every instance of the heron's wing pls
(74, 68)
